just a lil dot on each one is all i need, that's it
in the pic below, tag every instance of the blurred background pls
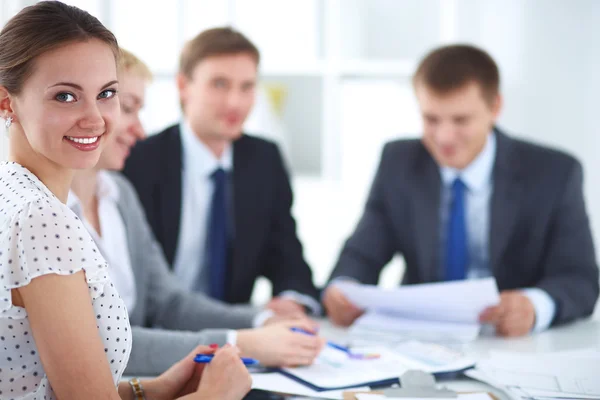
(335, 84)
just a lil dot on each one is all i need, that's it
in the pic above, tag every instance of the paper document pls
(572, 374)
(431, 357)
(456, 301)
(334, 369)
(566, 375)
(470, 396)
(392, 330)
(519, 393)
(445, 312)
(278, 383)
(546, 394)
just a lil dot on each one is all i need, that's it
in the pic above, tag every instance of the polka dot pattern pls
(39, 235)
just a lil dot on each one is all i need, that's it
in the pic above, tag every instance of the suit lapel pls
(242, 188)
(170, 193)
(505, 200)
(427, 204)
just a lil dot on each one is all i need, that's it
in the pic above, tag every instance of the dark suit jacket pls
(265, 241)
(539, 230)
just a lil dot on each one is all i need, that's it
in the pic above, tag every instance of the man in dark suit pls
(468, 201)
(219, 200)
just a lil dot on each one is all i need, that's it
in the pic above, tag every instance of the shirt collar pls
(198, 157)
(477, 174)
(106, 188)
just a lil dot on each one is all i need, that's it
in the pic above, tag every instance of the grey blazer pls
(539, 230)
(166, 319)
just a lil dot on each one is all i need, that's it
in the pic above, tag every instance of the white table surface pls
(581, 334)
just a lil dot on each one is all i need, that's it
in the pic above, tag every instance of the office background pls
(336, 84)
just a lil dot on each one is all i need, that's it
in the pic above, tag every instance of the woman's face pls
(129, 128)
(68, 107)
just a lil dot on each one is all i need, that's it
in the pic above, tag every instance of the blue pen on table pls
(206, 358)
(330, 344)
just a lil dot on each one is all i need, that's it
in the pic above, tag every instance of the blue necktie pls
(457, 255)
(217, 235)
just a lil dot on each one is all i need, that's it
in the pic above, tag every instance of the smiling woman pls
(70, 107)
(57, 86)
(58, 96)
(60, 93)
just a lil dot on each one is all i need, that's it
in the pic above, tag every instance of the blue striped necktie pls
(457, 254)
(217, 235)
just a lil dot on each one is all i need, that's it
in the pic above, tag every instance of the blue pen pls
(330, 344)
(206, 358)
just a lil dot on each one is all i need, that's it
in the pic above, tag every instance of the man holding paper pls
(468, 201)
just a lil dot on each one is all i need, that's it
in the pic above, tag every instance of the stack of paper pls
(393, 330)
(542, 376)
(278, 383)
(335, 369)
(470, 396)
(431, 357)
(438, 312)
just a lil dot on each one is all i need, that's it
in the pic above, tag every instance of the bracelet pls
(138, 390)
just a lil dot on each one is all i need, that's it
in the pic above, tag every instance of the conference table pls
(578, 335)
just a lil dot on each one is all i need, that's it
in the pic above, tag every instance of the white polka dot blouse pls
(39, 235)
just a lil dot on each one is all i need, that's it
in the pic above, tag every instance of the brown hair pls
(40, 28)
(214, 42)
(452, 67)
(130, 62)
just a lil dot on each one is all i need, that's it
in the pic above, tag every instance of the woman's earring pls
(8, 122)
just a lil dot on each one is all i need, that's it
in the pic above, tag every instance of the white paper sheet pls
(393, 329)
(432, 358)
(518, 393)
(334, 369)
(427, 357)
(276, 382)
(457, 301)
(545, 394)
(572, 374)
(470, 396)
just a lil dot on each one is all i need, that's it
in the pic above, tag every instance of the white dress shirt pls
(197, 191)
(113, 242)
(478, 179)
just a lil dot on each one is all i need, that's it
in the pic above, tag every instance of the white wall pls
(549, 58)
(3, 145)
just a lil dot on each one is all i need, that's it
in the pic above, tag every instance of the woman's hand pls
(225, 377)
(277, 346)
(181, 379)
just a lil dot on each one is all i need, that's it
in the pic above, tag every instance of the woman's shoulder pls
(125, 187)
(129, 201)
(39, 234)
(19, 187)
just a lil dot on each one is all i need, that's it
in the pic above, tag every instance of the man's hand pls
(339, 308)
(514, 316)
